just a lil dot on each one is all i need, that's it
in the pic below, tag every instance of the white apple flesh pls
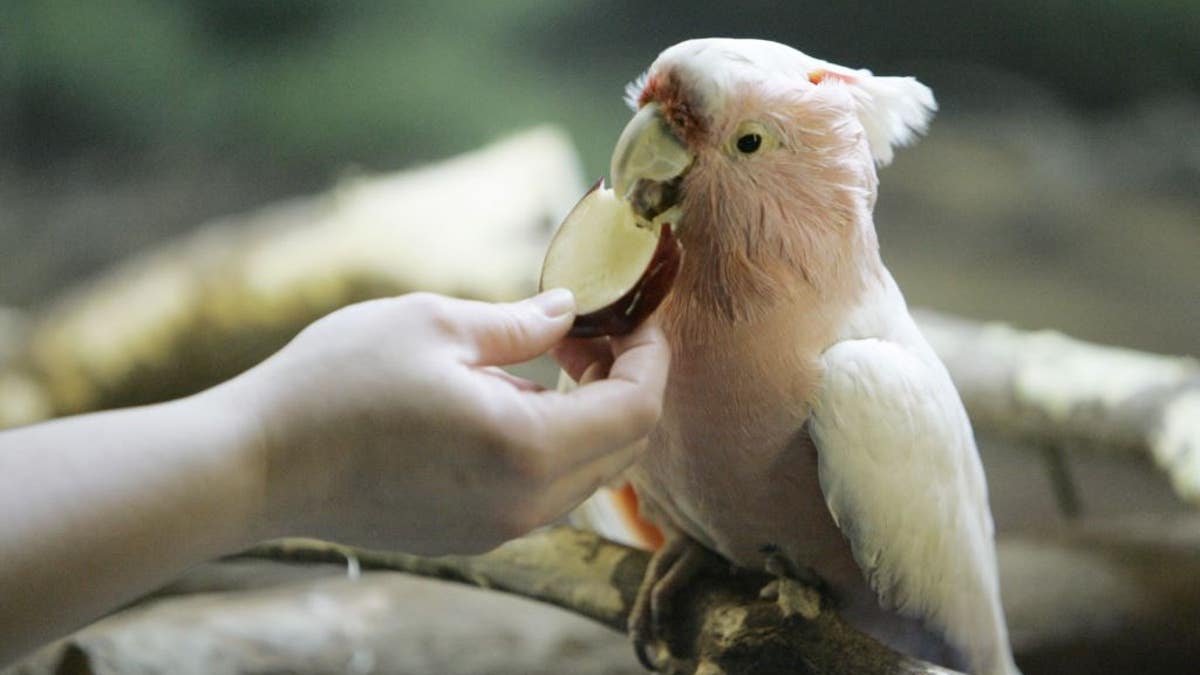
(619, 269)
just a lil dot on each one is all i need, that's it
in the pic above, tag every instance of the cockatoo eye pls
(749, 143)
(752, 137)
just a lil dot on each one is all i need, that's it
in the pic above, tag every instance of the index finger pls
(604, 416)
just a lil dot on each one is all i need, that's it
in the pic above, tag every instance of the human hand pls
(389, 424)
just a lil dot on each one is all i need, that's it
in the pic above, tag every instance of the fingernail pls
(555, 302)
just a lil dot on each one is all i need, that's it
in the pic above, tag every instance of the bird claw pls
(797, 589)
(780, 567)
(671, 569)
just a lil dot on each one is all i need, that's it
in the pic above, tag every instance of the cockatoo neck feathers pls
(891, 110)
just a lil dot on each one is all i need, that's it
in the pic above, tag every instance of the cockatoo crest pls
(891, 110)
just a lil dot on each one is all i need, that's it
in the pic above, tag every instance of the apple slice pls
(618, 270)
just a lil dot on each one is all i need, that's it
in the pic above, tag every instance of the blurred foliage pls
(315, 82)
(305, 82)
(1095, 53)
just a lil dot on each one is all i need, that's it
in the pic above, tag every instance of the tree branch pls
(1078, 599)
(721, 625)
(1117, 596)
(1051, 390)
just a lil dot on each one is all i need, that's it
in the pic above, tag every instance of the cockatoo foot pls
(671, 569)
(780, 567)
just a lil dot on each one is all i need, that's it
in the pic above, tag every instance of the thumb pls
(513, 332)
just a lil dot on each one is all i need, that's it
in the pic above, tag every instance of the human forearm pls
(97, 509)
(387, 424)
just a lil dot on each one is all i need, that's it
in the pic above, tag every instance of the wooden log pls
(1048, 389)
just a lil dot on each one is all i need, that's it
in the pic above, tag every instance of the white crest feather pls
(633, 90)
(893, 111)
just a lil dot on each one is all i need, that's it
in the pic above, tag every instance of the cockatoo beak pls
(648, 162)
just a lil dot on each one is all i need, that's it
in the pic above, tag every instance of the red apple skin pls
(625, 313)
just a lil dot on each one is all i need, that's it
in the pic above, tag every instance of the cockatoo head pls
(770, 156)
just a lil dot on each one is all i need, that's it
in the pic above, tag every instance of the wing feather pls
(902, 479)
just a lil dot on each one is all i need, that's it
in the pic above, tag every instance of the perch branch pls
(1078, 599)
(722, 626)
(1112, 596)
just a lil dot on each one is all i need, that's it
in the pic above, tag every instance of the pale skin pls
(387, 424)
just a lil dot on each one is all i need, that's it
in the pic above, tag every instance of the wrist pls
(233, 411)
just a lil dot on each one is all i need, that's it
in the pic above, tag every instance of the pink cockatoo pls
(805, 415)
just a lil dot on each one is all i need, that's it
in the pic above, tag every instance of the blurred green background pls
(1059, 186)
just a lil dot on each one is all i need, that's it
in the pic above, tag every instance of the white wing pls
(902, 478)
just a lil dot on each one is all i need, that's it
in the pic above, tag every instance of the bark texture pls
(1109, 597)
